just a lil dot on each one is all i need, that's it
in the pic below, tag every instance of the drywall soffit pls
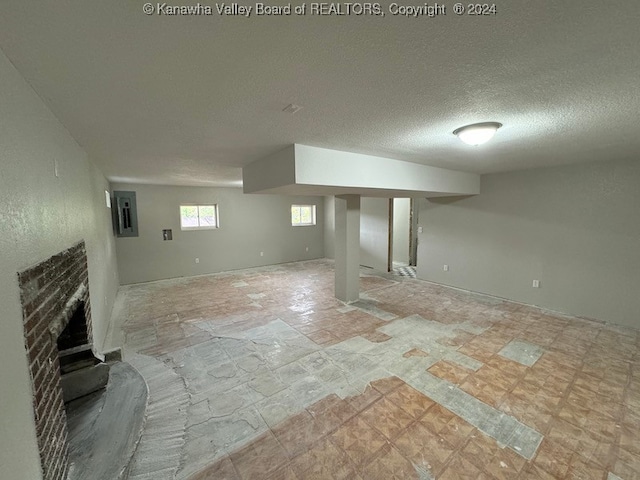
(304, 170)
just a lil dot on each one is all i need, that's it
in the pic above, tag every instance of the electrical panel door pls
(125, 215)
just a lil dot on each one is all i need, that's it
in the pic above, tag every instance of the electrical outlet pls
(197, 260)
(262, 254)
(536, 284)
(306, 249)
(445, 268)
(420, 230)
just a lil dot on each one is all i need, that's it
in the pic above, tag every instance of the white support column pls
(347, 247)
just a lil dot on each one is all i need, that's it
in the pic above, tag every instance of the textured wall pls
(249, 224)
(374, 233)
(576, 229)
(41, 214)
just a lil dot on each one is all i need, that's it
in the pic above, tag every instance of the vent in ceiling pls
(292, 108)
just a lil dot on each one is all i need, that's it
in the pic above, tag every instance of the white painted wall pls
(574, 228)
(249, 224)
(401, 209)
(374, 233)
(41, 215)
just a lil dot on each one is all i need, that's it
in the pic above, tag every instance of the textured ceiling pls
(190, 100)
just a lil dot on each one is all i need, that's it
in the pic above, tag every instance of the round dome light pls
(478, 133)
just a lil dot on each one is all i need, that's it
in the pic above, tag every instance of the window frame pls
(313, 215)
(198, 206)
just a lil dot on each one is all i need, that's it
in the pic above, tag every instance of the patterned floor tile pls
(358, 440)
(387, 418)
(260, 457)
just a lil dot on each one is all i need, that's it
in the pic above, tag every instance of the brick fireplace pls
(56, 312)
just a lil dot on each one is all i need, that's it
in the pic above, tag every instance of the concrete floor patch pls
(522, 352)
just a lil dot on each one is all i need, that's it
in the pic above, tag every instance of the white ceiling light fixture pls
(478, 133)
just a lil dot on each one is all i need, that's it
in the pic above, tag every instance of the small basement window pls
(198, 217)
(303, 215)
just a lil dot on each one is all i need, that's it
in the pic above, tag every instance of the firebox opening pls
(75, 333)
(81, 371)
(74, 350)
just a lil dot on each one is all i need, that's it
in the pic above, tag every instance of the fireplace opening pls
(75, 333)
(74, 351)
(82, 373)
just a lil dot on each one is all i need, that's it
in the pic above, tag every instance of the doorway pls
(402, 236)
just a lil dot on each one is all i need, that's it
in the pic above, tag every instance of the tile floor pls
(405, 271)
(262, 373)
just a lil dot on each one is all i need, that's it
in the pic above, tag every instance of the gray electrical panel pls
(125, 216)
